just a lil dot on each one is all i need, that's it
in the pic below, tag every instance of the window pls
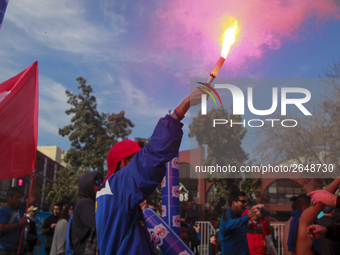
(281, 191)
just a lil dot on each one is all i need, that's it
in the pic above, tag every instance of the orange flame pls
(229, 39)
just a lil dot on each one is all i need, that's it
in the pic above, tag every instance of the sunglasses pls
(98, 182)
(242, 201)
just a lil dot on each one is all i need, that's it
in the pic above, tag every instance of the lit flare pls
(229, 39)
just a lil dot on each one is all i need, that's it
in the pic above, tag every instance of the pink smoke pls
(194, 27)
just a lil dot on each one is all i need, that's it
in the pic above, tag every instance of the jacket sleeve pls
(193, 236)
(61, 240)
(230, 224)
(45, 228)
(147, 168)
(266, 228)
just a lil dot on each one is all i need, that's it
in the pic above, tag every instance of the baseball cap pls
(32, 208)
(118, 152)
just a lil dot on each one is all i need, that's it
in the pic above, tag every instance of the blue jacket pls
(121, 227)
(233, 233)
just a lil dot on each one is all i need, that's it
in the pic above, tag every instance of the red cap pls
(118, 152)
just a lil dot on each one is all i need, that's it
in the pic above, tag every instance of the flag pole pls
(28, 201)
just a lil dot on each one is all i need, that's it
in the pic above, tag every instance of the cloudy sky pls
(139, 56)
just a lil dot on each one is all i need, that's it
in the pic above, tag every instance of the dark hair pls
(120, 162)
(64, 202)
(64, 214)
(13, 191)
(99, 176)
(183, 224)
(60, 205)
(234, 196)
(212, 236)
(183, 212)
(300, 201)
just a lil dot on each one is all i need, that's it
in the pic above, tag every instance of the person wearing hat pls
(31, 236)
(134, 173)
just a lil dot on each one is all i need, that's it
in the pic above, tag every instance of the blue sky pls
(139, 56)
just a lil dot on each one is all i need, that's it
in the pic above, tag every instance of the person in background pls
(328, 247)
(48, 226)
(304, 244)
(300, 203)
(212, 245)
(12, 218)
(193, 231)
(331, 232)
(31, 235)
(84, 214)
(184, 233)
(218, 240)
(59, 237)
(233, 229)
(270, 240)
(257, 229)
(194, 236)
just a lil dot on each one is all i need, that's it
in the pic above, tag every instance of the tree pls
(331, 108)
(65, 187)
(315, 141)
(224, 149)
(91, 133)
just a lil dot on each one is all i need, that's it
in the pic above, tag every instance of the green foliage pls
(331, 109)
(315, 141)
(91, 133)
(64, 188)
(224, 148)
(223, 141)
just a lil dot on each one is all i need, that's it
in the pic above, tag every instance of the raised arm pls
(193, 99)
(310, 213)
(34, 196)
(230, 224)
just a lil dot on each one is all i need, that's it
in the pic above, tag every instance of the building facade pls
(46, 169)
(199, 191)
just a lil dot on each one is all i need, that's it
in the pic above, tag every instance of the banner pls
(19, 123)
(170, 196)
(40, 218)
(163, 236)
(3, 6)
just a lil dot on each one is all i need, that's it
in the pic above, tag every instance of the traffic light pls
(20, 182)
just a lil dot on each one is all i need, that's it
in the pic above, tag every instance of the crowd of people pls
(108, 218)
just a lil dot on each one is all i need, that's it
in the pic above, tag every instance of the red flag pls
(19, 123)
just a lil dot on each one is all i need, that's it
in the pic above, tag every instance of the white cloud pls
(52, 106)
(136, 101)
(61, 25)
